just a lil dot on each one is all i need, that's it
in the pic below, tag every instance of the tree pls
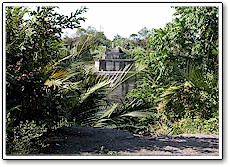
(121, 42)
(33, 47)
(86, 41)
(181, 80)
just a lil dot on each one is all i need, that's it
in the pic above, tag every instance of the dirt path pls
(97, 141)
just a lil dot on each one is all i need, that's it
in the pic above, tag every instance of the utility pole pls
(101, 28)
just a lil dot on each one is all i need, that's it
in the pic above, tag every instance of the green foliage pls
(32, 46)
(26, 138)
(33, 49)
(181, 79)
(135, 53)
(49, 85)
(20, 142)
(196, 126)
(121, 42)
(111, 115)
(135, 45)
(87, 43)
(99, 52)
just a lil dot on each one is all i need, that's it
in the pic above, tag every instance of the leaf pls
(170, 90)
(14, 108)
(50, 83)
(215, 52)
(137, 114)
(110, 111)
(56, 75)
(93, 89)
(101, 122)
(197, 77)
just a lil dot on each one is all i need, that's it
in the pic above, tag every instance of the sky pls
(122, 19)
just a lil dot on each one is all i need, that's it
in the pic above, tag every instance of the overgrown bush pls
(196, 125)
(33, 48)
(178, 90)
(19, 139)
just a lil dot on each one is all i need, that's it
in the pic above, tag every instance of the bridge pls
(112, 63)
(113, 60)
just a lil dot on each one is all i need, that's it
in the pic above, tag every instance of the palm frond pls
(55, 83)
(91, 90)
(172, 89)
(125, 74)
(197, 77)
(58, 74)
(109, 112)
(138, 114)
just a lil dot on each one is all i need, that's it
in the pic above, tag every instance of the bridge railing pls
(113, 64)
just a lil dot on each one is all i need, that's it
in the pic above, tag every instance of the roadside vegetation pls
(50, 80)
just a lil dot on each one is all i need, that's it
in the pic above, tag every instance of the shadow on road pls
(81, 140)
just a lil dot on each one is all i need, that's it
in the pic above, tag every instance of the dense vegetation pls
(178, 91)
(50, 81)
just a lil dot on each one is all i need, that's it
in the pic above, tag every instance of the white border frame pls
(220, 156)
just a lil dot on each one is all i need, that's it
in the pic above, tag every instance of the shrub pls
(33, 48)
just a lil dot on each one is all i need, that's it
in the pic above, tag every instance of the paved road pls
(98, 141)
